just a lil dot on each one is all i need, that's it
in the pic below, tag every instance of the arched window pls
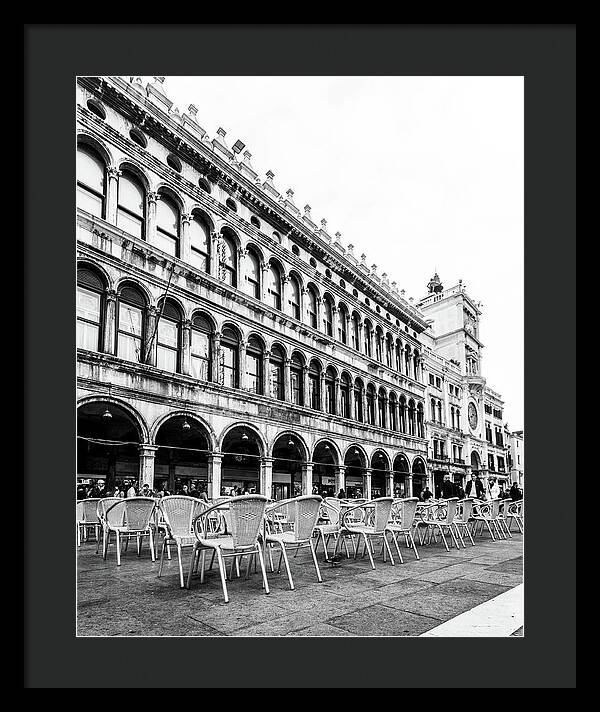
(452, 415)
(167, 225)
(131, 208)
(358, 401)
(168, 338)
(314, 385)
(312, 308)
(389, 350)
(96, 108)
(381, 409)
(356, 331)
(130, 324)
(138, 137)
(393, 402)
(199, 233)
(327, 316)
(402, 414)
(398, 356)
(439, 408)
(91, 181)
(433, 409)
(345, 396)
(343, 324)
(379, 344)
(411, 417)
(255, 221)
(252, 274)
(254, 360)
(201, 365)
(458, 418)
(294, 297)
(370, 404)
(274, 286)
(368, 329)
(420, 419)
(276, 383)
(407, 358)
(90, 291)
(230, 375)
(330, 404)
(228, 261)
(296, 380)
(416, 362)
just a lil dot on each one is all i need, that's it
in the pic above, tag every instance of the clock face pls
(472, 416)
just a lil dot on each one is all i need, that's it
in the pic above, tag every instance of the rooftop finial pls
(435, 285)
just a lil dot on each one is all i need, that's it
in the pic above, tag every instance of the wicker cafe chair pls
(487, 513)
(401, 522)
(503, 516)
(128, 518)
(514, 513)
(301, 515)
(329, 524)
(462, 519)
(376, 516)
(101, 506)
(440, 516)
(246, 519)
(87, 517)
(177, 513)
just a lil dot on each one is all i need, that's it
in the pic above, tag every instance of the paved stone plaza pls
(404, 600)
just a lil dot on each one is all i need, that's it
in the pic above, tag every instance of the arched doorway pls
(401, 471)
(181, 461)
(355, 462)
(324, 462)
(475, 463)
(419, 476)
(107, 445)
(240, 469)
(288, 456)
(380, 468)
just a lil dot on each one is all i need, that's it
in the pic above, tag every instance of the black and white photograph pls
(294, 296)
(300, 356)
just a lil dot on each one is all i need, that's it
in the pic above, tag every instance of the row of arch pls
(193, 236)
(124, 323)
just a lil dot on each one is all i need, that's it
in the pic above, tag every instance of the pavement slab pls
(381, 620)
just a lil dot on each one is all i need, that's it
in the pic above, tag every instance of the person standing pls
(474, 487)
(426, 494)
(98, 491)
(494, 489)
(515, 492)
(146, 491)
(341, 494)
(131, 491)
(447, 488)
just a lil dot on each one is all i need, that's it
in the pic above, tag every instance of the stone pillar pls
(367, 484)
(110, 323)
(334, 320)
(318, 301)
(112, 194)
(386, 414)
(363, 402)
(216, 357)
(265, 377)
(265, 293)
(242, 351)
(186, 347)
(266, 476)
(360, 346)
(409, 485)
(340, 478)
(150, 336)
(307, 473)
(305, 387)
(215, 460)
(146, 473)
(337, 406)
(287, 380)
(284, 292)
(322, 391)
(213, 266)
(390, 484)
(184, 238)
(153, 198)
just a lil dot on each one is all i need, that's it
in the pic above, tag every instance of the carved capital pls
(153, 197)
(185, 218)
(113, 172)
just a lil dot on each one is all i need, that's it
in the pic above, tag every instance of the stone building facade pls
(226, 340)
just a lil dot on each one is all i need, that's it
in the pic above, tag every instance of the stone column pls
(307, 472)
(322, 391)
(150, 336)
(287, 380)
(318, 301)
(265, 376)
(186, 347)
(337, 406)
(305, 387)
(264, 292)
(146, 473)
(112, 194)
(215, 460)
(334, 320)
(390, 484)
(409, 485)
(153, 198)
(184, 238)
(266, 476)
(386, 414)
(213, 266)
(284, 291)
(367, 483)
(360, 346)
(340, 478)
(110, 323)
(242, 351)
(363, 403)
(216, 357)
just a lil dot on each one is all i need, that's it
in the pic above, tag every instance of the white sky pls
(420, 173)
